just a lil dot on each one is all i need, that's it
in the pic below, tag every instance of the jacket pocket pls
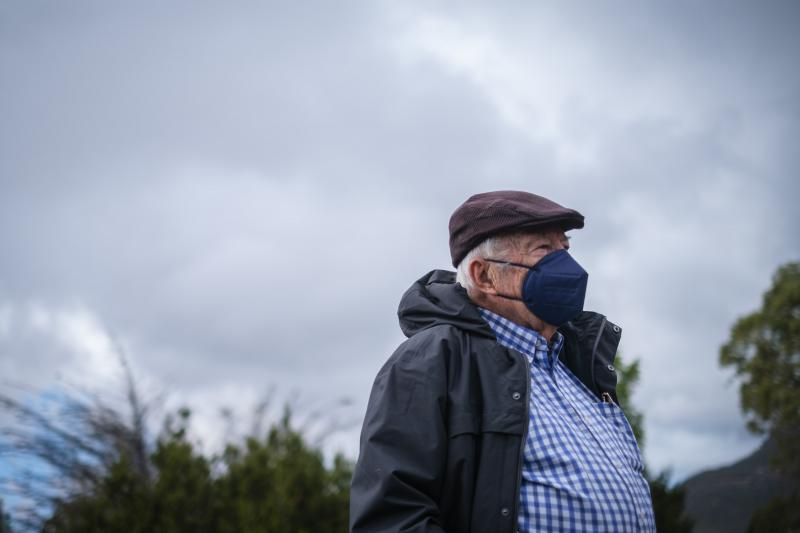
(511, 421)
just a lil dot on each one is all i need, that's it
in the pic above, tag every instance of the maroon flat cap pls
(492, 213)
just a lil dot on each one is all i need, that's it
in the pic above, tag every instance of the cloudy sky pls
(237, 195)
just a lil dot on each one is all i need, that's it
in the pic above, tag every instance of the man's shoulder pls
(438, 347)
(435, 341)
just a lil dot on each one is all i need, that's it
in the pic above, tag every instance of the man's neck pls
(516, 312)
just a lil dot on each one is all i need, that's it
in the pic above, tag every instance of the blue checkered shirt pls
(582, 470)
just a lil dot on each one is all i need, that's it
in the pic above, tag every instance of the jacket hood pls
(590, 339)
(436, 299)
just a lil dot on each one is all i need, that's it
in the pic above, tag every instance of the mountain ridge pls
(722, 500)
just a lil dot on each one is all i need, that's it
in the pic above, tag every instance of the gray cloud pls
(242, 195)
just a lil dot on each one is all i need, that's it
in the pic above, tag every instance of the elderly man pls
(499, 413)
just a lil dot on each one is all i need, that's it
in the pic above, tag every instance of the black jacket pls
(442, 441)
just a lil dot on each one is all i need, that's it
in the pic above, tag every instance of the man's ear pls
(481, 278)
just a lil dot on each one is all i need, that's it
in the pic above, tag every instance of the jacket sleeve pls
(398, 477)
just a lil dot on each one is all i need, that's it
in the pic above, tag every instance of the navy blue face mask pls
(554, 288)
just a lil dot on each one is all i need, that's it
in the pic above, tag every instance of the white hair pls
(493, 247)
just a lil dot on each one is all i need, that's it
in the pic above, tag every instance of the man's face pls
(527, 249)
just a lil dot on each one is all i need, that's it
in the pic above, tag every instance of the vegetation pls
(273, 484)
(764, 351)
(781, 514)
(668, 501)
(669, 505)
(628, 374)
(94, 469)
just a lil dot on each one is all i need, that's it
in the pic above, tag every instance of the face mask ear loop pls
(499, 261)
(509, 297)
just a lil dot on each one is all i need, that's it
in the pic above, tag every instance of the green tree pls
(628, 375)
(669, 505)
(764, 351)
(184, 495)
(281, 484)
(73, 445)
(668, 501)
(271, 484)
(120, 502)
(781, 514)
(177, 498)
(93, 467)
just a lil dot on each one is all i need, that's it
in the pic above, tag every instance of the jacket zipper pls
(521, 458)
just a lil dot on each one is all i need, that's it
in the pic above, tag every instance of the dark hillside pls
(723, 500)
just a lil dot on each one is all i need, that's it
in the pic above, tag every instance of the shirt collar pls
(522, 339)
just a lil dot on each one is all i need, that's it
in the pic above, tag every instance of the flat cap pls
(493, 213)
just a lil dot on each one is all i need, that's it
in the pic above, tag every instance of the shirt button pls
(616, 329)
(516, 396)
(611, 367)
(504, 511)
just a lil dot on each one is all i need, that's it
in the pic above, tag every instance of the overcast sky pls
(237, 194)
